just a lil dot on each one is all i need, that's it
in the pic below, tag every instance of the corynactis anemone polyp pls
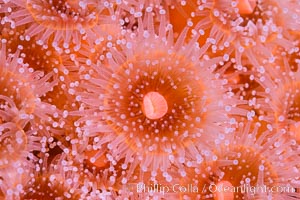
(16, 82)
(281, 102)
(75, 62)
(55, 180)
(170, 108)
(230, 27)
(25, 86)
(38, 57)
(62, 21)
(246, 160)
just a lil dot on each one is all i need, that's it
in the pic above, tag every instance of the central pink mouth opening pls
(155, 105)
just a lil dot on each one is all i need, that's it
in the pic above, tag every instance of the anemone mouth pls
(63, 14)
(13, 142)
(176, 85)
(154, 105)
(246, 6)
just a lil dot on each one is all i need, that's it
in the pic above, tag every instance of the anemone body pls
(230, 28)
(281, 100)
(61, 22)
(196, 111)
(247, 160)
(53, 179)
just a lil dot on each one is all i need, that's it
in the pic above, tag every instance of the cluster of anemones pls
(149, 99)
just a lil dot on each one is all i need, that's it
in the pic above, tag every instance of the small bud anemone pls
(75, 62)
(157, 103)
(47, 62)
(280, 99)
(243, 84)
(248, 166)
(280, 78)
(242, 27)
(80, 178)
(36, 57)
(62, 21)
(58, 179)
(21, 88)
